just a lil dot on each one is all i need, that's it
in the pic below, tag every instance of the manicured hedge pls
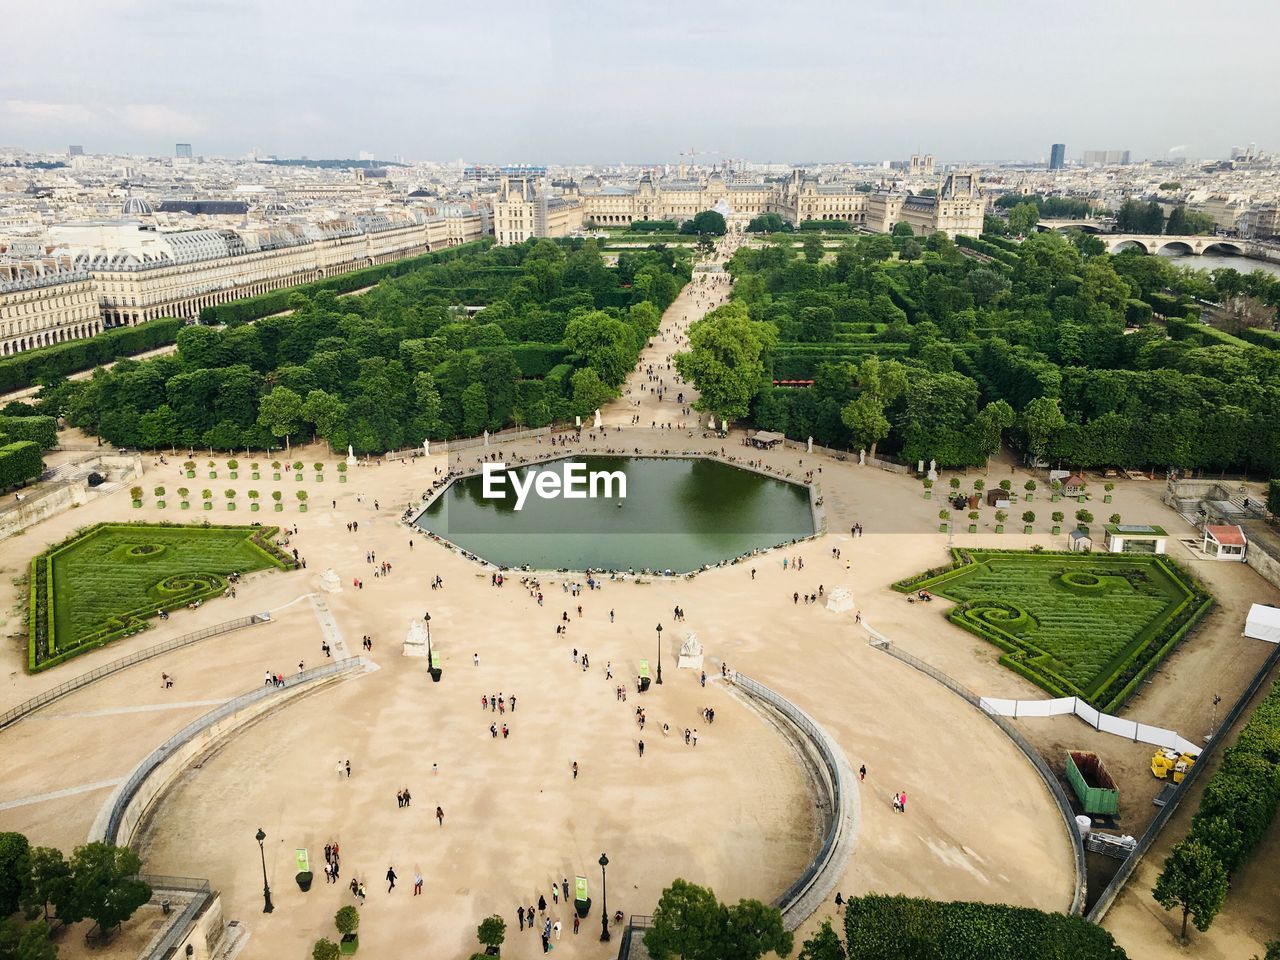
(1240, 800)
(827, 226)
(538, 359)
(42, 431)
(36, 366)
(653, 226)
(1262, 338)
(19, 462)
(905, 928)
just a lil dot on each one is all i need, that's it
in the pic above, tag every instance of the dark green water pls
(678, 515)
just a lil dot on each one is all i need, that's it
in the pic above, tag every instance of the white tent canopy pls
(1263, 623)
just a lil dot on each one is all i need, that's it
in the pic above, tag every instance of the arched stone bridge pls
(1149, 243)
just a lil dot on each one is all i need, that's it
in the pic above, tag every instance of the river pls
(1214, 261)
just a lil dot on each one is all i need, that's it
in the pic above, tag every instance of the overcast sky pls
(594, 81)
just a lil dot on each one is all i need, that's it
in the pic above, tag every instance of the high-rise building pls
(1057, 156)
(75, 150)
(1105, 158)
(182, 150)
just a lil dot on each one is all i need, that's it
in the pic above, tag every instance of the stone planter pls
(1107, 498)
(160, 504)
(342, 478)
(973, 528)
(208, 504)
(942, 528)
(928, 494)
(1056, 497)
(253, 507)
(298, 477)
(350, 944)
(191, 474)
(302, 508)
(230, 505)
(235, 474)
(1027, 528)
(255, 475)
(999, 528)
(137, 504)
(1056, 530)
(279, 507)
(319, 478)
(213, 474)
(275, 476)
(1030, 497)
(186, 504)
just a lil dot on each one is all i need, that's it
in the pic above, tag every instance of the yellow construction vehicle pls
(1169, 764)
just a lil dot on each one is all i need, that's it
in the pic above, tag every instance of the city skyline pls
(557, 82)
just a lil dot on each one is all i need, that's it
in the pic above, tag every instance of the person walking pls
(520, 915)
(862, 773)
(542, 903)
(566, 889)
(575, 769)
(556, 927)
(417, 884)
(440, 815)
(575, 924)
(641, 745)
(391, 879)
(348, 766)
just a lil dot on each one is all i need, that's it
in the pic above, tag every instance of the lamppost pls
(659, 653)
(604, 898)
(427, 618)
(266, 890)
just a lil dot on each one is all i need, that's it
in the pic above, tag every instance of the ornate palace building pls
(45, 301)
(526, 206)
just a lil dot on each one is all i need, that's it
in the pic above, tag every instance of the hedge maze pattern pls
(102, 583)
(1091, 626)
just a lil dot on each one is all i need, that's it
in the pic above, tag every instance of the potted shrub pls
(973, 521)
(491, 933)
(1001, 517)
(231, 499)
(928, 488)
(1108, 487)
(1084, 518)
(159, 492)
(234, 467)
(1028, 519)
(1030, 487)
(135, 494)
(342, 471)
(955, 483)
(325, 949)
(1114, 519)
(253, 472)
(319, 473)
(275, 469)
(276, 495)
(213, 472)
(253, 501)
(1006, 485)
(297, 469)
(1058, 517)
(207, 496)
(943, 517)
(302, 501)
(1055, 487)
(183, 494)
(347, 920)
(190, 467)
(978, 486)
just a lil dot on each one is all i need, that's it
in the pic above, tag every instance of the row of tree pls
(946, 357)
(558, 332)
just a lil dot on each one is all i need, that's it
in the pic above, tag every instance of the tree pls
(492, 931)
(606, 344)
(990, 424)
(823, 945)
(280, 412)
(750, 930)
(725, 360)
(1023, 219)
(910, 250)
(903, 229)
(708, 221)
(50, 878)
(347, 920)
(1195, 880)
(589, 392)
(686, 923)
(811, 246)
(325, 949)
(1041, 420)
(1029, 517)
(31, 944)
(1114, 519)
(1084, 517)
(864, 416)
(104, 886)
(15, 871)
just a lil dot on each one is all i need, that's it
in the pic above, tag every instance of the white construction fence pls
(1129, 729)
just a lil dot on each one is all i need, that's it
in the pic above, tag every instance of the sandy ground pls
(733, 812)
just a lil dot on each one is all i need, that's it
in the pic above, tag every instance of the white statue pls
(724, 426)
(919, 466)
(933, 467)
(486, 438)
(351, 456)
(329, 581)
(809, 447)
(426, 448)
(862, 457)
(577, 422)
(415, 641)
(598, 424)
(690, 653)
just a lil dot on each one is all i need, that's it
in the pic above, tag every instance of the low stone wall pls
(68, 489)
(124, 810)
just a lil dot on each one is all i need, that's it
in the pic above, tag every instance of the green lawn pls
(101, 584)
(1087, 625)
